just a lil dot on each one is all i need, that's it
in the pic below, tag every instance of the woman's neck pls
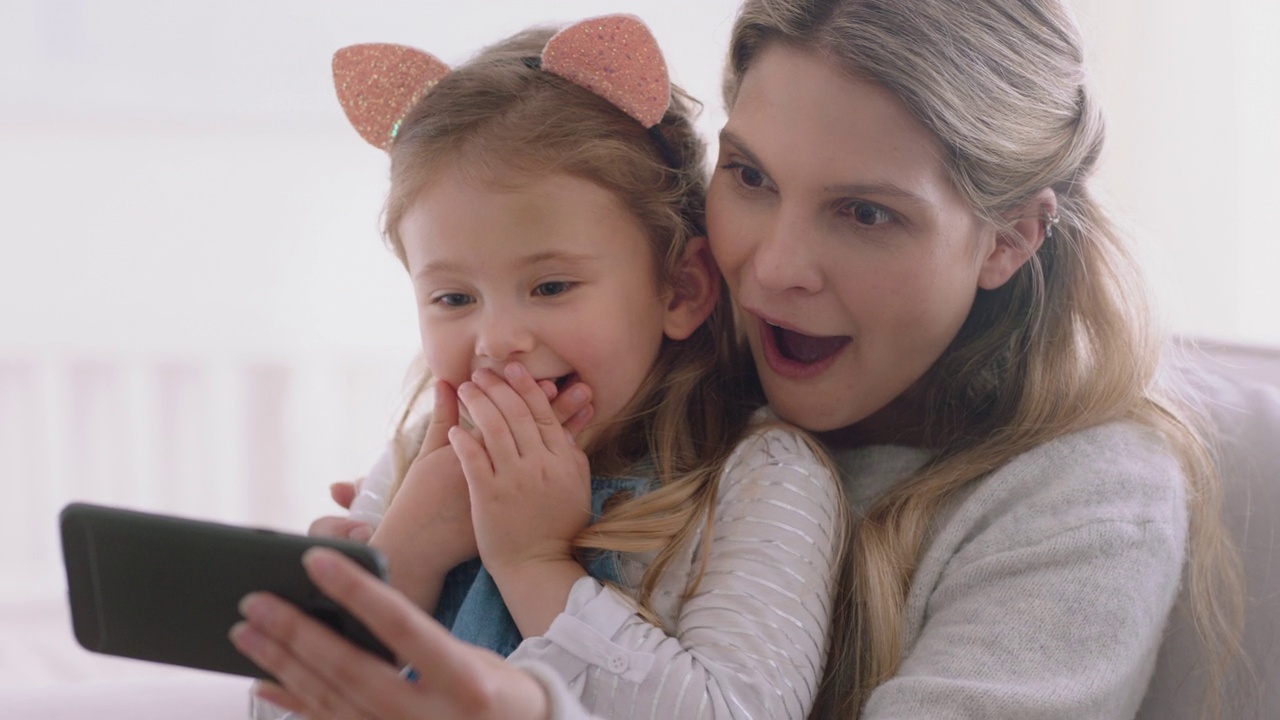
(898, 423)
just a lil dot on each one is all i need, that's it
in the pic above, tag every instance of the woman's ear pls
(695, 292)
(1015, 246)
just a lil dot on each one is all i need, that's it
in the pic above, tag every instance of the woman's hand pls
(324, 677)
(530, 490)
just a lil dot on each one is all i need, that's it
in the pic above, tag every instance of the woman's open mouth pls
(796, 355)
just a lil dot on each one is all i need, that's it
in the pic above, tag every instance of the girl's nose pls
(503, 336)
(786, 258)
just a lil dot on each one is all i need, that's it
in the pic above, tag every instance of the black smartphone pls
(166, 589)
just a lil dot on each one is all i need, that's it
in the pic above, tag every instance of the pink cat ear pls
(379, 83)
(617, 58)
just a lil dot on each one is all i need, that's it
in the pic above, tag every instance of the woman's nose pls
(503, 335)
(786, 256)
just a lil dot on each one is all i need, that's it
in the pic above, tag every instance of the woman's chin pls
(807, 412)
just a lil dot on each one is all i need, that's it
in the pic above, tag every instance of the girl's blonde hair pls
(502, 116)
(1067, 343)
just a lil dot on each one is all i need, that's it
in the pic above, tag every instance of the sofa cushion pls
(1246, 416)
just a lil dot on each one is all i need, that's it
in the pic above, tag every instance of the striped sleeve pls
(751, 641)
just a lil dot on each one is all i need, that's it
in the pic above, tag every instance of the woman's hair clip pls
(613, 56)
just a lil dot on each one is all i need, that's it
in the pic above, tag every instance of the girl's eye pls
(452, 300)
(865, 213)
(747, 176)
(552, 288)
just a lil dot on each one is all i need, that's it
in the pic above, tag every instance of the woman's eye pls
(552, 288)
(452, 300)
(865, 213)
(747, 176)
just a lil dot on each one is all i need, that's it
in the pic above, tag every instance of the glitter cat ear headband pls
(379, 83)
(613, 56)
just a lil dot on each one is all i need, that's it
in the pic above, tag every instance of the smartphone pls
(166, 589)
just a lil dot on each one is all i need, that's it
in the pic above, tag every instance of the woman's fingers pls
(277, 695)
(455, 680)
(322, 701)
(326, 678)
(307, 658)
(405, 629)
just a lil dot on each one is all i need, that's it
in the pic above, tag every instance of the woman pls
(901, 208)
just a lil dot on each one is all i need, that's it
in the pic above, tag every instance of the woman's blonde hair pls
(500, 115)
(1069, 342)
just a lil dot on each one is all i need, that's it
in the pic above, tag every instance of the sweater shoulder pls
(1118, 473)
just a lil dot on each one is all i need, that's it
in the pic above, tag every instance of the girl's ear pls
(1013, 248)
(695, 293)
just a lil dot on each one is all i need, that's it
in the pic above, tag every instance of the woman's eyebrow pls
(727, 137)
(883, 188)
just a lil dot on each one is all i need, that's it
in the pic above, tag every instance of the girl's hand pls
(427, 528)
(344, 493)
(572, 407)
(530, 490)
(324, 677)
(335, 526)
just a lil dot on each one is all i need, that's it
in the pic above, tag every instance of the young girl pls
(547, 201)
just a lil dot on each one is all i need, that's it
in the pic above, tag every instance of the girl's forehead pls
(554, 215)
(483, 169)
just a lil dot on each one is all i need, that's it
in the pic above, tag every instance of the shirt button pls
(618, 663)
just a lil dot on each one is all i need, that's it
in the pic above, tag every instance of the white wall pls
(196, 313)
(1192, 96)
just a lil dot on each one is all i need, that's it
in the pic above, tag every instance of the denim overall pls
(471, 606)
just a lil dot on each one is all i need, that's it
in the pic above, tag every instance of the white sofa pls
(46, 676)
(1239, 387)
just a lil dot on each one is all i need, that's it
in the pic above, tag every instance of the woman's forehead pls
(797, 112)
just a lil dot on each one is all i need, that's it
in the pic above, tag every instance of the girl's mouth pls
(793, 354)
(565, 381)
